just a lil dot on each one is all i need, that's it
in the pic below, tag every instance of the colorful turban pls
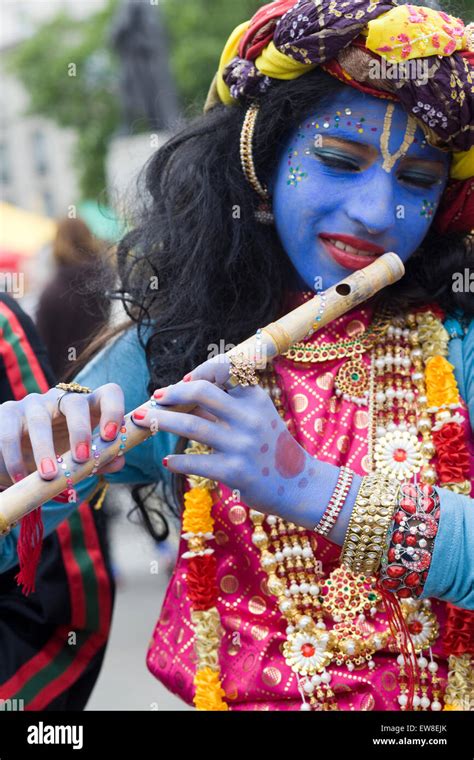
(286, 39)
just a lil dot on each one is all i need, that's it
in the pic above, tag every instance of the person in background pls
(71, 309)
(52, 642)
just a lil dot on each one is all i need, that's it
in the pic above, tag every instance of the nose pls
(373, 207)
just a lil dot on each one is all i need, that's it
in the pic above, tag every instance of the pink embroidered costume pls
(254, 672)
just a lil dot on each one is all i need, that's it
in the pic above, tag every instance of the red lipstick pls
(353, 252)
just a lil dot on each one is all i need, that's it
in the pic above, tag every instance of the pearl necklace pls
(305, 598)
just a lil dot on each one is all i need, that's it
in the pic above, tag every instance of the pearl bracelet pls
(336, 502)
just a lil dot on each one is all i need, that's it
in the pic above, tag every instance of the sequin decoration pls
(427, 208)
(295, 175)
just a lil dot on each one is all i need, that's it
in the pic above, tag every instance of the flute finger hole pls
(343, 289)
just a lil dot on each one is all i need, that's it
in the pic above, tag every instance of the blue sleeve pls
(461, 355)
(123, 362)
(451, 574)
(468, 363)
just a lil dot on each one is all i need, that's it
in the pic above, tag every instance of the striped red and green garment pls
(51, 643)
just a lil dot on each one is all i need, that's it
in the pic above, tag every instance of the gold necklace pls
(306, 598)
(352, 379)
(344, 348)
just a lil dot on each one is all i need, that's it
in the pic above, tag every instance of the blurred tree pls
(71, 73)
(70, 76)
(198, 30)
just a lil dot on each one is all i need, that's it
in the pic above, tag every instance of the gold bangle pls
(370, 521)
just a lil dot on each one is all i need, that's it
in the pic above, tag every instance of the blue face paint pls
(342, 174)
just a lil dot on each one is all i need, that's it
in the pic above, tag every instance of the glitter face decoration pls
(345, 118)
(295, 174)
(427, 208)
(337, 204)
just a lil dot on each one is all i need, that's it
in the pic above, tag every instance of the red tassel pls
(401, 634)
(29, 547)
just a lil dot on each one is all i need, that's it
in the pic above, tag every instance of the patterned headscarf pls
(286, 39)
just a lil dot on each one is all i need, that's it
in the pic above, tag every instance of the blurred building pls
(36, 170)
(126, 158)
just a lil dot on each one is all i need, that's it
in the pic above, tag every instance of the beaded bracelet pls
(370, 522)
(336, 502)
(407, 558)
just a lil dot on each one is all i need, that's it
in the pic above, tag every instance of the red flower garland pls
(459, 635)
(201, 582)
(453, 455)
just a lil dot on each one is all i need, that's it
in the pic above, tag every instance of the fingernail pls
(139, 415)
(110, 430)
(18, 476)
(158, 394)
(187, 377)
(47, 466)
(82, 451)
(164, 461)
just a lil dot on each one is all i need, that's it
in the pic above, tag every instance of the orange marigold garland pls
(201, 580)
(448, 433)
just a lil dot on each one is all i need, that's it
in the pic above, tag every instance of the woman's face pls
(343, 178)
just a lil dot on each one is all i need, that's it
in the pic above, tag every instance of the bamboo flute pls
(276, 338)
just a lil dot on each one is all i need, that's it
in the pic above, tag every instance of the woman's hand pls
(32, 430)
(253, 451)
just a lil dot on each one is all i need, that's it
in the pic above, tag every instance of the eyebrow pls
(361, 147)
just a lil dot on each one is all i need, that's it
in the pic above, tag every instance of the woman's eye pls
(337, 161)
(346, 164)
(419, 180)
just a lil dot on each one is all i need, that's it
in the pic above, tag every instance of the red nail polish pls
(110, 430)
(82, 451)
(47, 466)
(138, 415)
(18, 476)
(187, 377)
(164, 461)
(158, 394)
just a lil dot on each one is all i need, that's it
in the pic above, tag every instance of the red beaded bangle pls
(336, 502)
(405, 565)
